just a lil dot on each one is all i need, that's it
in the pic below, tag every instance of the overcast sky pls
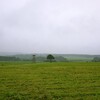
(50, 26)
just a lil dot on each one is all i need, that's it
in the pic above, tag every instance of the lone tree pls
(50, 58)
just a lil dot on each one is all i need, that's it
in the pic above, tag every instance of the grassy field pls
(49, 81)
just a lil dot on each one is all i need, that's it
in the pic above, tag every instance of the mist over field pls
(50, 26)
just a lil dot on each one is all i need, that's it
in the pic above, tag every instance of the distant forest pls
(8, 58)
(58, 58)
(38, 58)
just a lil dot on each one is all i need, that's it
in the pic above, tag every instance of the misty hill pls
(8, 58)
(69, 57)
(29, 57)
(59, 57)
(40, 57)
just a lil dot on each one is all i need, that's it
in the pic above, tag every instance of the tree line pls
(96, 59)
(48, 58)
(8, 58)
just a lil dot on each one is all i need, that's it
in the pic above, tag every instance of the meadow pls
(50, 81)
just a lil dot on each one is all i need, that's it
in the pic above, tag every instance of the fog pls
(50, 26)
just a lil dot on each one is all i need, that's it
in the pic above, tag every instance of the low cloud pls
(50, 26)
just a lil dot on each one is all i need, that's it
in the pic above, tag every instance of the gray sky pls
(50, 26)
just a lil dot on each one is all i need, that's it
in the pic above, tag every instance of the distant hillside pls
(79, 57)
(42, 57)
(69, 57)
(8, 58)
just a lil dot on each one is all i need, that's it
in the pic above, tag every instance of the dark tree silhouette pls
(50, 58)
(96, 59)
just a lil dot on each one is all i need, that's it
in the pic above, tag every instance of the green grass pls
(49, 81)
(81, 59)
